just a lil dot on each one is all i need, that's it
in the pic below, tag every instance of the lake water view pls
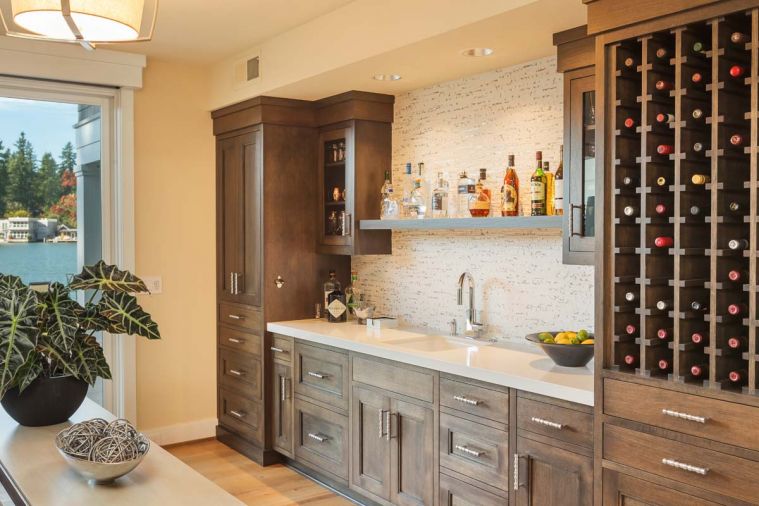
(38, 261)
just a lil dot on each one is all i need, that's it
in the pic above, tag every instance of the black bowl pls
(567, 355)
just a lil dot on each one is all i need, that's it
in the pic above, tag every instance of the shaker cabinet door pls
(282, 409)
(370, 415)
(412, 454)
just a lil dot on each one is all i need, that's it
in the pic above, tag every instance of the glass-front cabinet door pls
(580, 156)
(335, 187)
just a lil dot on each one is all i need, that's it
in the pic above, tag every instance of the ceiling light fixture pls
(80, 21)
(386, 77)
(477, 52)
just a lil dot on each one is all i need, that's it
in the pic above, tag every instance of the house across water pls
(20, 229)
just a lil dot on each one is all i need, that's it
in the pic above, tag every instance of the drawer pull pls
(277, 350)
(238, 414)
(685, 467)
(684, 416)
(466, 400)
(318, 437)
(235, 340)
(237, 373)
(546, 423)
(468, 451)
(235, 317)
(317, 375)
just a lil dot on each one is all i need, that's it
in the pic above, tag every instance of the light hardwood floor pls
(274, 485)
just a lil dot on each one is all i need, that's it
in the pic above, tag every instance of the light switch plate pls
(154, 284)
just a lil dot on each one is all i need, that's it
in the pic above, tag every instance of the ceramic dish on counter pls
(566, 355)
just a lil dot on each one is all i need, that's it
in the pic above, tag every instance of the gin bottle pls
(440, 198)
(330, 286)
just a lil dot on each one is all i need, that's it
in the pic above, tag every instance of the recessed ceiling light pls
(386, 77)
(477, 52)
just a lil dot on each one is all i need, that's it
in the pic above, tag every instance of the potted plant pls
(48, 349)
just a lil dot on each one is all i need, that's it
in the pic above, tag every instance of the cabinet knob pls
(279, 282)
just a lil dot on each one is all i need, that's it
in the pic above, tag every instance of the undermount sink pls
(434, 343)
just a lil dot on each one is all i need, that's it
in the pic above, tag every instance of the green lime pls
(545, 335)
(549, 341)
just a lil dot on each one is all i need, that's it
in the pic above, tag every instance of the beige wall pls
(174, 222)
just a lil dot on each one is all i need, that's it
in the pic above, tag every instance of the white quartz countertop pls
(38, 475)
(524, 367)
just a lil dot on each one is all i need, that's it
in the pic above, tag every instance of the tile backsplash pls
(466, 124)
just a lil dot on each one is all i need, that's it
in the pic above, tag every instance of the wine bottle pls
(737, 276)
(665, 149)
(664, 365)
(737, 376)
(698, 114)
(630, 211)
(538, 183)
(630, 359)
(698, 147)
(631, 296)
(699, 306)
(663, 305)
(697, 78)
(664, 333)
(737, 71)
(629, 62)
(661, 209)
(661, 181)
(558, 183)
(699, 47)
(630, 329)
(664, 242)
(663, 85)
(738, 38)
(695, 210)
(698, 338)
(629, 123)
(700, 179)
(737, 244)
(629, 181)
(661, 53)
(665, 118)
(737, 343)
(736, 208)
(737, 140)
(736, 309)
(699, 370)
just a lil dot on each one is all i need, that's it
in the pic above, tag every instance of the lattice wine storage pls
(683, 114)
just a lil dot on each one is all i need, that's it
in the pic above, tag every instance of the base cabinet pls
(454, 492)
(624, 490)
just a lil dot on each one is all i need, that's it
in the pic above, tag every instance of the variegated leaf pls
(108, 278)
(29, 371)
(60, 315)
(18, 332)
(89, 360)
(9, 282)
(127, 317)
(93, 321)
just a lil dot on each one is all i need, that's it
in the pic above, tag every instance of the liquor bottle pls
(630, 329)
(664, 365)
(629, 62)
(466, 188)
(661, 53)
(558, 186)
(665, 149)
(665, 118)
(630, 211)
(631, 296)
(737, 276)
(700, 179)
(352, 294)
(737, 244)
(407, 186)
(737, 343)
(661, 209)
(699, 338)
(439, 199)
(663, 85)
(699, 370)
(629, 123)
(699, 306)
(389, 207)
(330, 286)
(737, 71)
(510, 191)
(479, 206)
(738, 376)
(630, 359)
(739, 38)
(538, 188)
(737, 140)
(664, 242)
(736, 309)
(549, 189)
(417, 207)
(663, 305)
(337, 310)
(664, 333)
(630, 181)
(662, 181)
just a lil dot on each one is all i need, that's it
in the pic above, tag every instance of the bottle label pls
(558, 194)
(463, 189)
(509, 198)
(336, 308)
(538, 195)
(437, 202)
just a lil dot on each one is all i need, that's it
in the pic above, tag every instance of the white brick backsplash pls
(465, 124)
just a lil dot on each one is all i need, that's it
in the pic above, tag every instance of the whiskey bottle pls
(549, 189)
(466, 189)
(558, 186)
(510, 191)
(440, 197)
(330, 286)
(538, 188)
(337, 309)
(479, 206)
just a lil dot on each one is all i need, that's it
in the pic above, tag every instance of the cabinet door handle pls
(468, 451)
(317, 375)
(517, 482)
(347, 221)
(277, 350)
(235, 340)
(466, 400)
(318, 437)
(684, 416)
(546, 423)
(685, 467)
(232, 283)
(381, 423)
(282, 388)
(572, 208)
(236, 372)
(235, 317)
(388, 426)
(238, 414)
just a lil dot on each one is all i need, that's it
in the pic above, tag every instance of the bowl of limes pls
(566, 348)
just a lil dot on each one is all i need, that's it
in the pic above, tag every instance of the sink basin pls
(433, 343)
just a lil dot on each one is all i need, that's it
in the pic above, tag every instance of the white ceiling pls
(203, 31)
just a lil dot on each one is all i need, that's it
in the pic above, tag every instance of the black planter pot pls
(46, 401)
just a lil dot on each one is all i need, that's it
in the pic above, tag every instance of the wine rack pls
(682, 118)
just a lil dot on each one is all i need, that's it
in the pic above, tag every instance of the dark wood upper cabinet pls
(576, 59)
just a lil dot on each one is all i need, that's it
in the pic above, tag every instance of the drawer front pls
(322, 375)
(474, 399)
(554, 421)
(404, 380)
(455, 492)
(281, 348)
(242, 415)
(710, 470)
(241, 373)
(239, 340)
(722, 421)
(237, 315)
(475, 450)
(321, 438)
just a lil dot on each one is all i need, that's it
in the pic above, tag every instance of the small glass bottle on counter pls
(440, 198)
(337, 308)
(330, 286)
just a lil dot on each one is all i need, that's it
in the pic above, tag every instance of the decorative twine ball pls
(113, 449)
(121, 428)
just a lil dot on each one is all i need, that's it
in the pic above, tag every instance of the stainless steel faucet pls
(474, 328)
